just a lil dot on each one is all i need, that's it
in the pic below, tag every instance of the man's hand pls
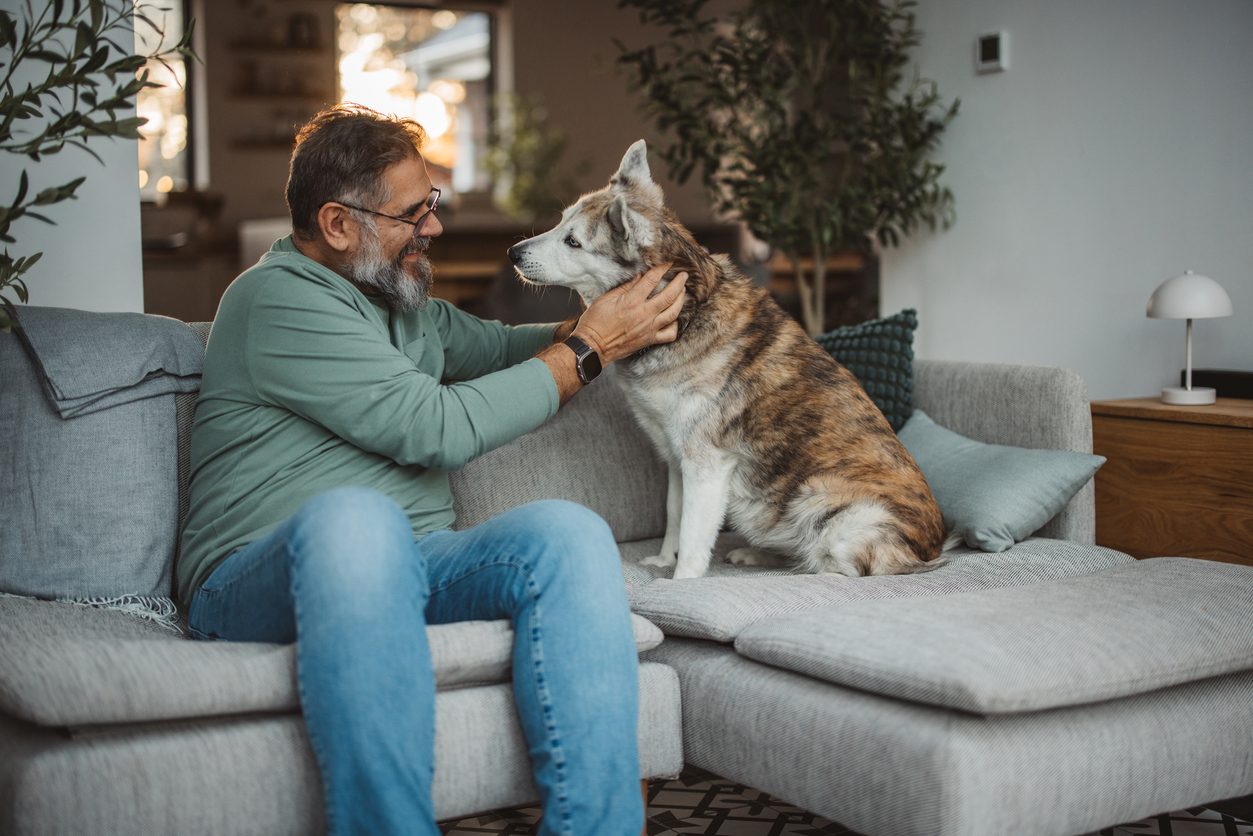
(624, 320)
(620, 323)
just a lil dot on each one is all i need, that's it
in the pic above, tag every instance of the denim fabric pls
(343, 578)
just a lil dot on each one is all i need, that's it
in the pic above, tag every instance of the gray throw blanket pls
(87, 361)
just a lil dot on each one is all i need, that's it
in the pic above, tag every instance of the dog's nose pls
(515, 253)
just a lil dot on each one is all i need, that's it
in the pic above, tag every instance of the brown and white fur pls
(755, 420)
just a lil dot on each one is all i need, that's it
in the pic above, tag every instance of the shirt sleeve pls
(475, 347)
(321, 356)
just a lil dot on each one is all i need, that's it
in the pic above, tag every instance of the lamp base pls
(1195, 396)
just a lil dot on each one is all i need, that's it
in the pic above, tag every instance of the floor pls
(699, 802)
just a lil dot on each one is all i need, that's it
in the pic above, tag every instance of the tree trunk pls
(818, 323)
(805, 290)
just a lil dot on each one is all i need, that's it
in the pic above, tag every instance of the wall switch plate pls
(992, 52)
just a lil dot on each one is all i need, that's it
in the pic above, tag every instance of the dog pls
(754, 419)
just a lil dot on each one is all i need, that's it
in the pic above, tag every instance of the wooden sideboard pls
(1178, 481)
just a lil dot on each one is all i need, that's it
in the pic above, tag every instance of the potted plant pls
(800, 122)
(524, 161)
(68, 105)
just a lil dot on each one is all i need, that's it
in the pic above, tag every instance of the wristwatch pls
(587, 361)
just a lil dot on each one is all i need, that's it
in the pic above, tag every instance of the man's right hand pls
(620, 323)
(624, 320)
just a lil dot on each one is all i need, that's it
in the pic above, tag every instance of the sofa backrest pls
(1039, 407)
(593, 452)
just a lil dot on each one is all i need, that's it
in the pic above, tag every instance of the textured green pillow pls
(880, 353)
(993, 495)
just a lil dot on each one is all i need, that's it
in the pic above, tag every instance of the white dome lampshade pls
(1190, 296)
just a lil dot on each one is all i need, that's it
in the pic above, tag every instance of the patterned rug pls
(699, 803)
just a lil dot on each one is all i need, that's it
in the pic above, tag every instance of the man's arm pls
(618, 324)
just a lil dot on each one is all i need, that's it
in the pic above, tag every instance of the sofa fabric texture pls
(592, 452)
(993, 495)
(888, 767)
(106, 530)
(1124, 631)
(256, 773)
(69, 665)
(725, 602)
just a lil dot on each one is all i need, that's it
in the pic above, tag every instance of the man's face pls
(388, 259)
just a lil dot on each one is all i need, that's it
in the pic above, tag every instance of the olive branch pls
(73, 102)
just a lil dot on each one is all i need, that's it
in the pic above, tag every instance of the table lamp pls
(1189, 297)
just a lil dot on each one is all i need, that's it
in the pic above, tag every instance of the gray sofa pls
(1051, 689)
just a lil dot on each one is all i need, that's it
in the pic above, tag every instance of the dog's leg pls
(674, 512)
(705, 490)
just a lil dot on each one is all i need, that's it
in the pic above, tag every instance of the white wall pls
(93, 257)
(1116, 152)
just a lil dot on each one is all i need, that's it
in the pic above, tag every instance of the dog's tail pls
(952, 541)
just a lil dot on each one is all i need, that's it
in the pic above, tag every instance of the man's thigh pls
(488, 571)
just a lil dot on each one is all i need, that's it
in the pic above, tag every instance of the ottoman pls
(1050, 709)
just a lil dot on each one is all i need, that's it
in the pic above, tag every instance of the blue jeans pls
(344, 580)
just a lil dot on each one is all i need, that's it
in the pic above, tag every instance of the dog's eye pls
(570, 242)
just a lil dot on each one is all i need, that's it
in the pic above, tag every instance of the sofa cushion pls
(1127, 630)
(69, 665)
(1038, 407)
(730, 598)
(90, 501)
(880, 354)
(591, 452)
(994, 495)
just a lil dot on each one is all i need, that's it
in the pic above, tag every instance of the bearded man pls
(320, 507)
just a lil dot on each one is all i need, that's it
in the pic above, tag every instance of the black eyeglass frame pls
(417, 225)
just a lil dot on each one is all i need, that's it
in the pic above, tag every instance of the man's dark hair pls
(341, 155)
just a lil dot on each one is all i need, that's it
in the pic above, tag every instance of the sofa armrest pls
(1039, 407)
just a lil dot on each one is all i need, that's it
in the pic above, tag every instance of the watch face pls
(591, 365)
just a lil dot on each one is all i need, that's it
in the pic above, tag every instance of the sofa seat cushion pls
(69, 665)
(730, 598)
(1072, 641)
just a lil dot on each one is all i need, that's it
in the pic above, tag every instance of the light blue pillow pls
(990, 494)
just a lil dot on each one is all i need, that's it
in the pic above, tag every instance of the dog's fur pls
(752, 416)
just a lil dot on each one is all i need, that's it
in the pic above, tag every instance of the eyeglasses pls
(432, 201)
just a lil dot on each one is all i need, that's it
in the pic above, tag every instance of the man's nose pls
(515, 253)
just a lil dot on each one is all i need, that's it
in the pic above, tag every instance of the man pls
(320, 508)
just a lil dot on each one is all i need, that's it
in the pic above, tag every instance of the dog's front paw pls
(665, 561)
(685, 572)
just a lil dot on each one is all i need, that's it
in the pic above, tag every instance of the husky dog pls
(755, 420)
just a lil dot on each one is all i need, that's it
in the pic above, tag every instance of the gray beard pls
(402, 290)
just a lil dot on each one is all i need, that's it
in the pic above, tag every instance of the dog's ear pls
(633, 175)
(627, 225)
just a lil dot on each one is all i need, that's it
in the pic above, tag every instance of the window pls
(434, 65)
(164, 159)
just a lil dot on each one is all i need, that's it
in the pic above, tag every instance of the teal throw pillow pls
(991, 494)
(880, 354)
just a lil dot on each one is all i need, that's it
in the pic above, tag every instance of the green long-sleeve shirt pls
(309, 385)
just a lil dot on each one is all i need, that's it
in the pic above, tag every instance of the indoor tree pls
(89, 78)
(800, 121)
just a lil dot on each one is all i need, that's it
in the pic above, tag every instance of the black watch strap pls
(586, 360)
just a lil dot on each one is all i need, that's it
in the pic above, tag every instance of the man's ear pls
(627, 224)
(339, 229)
(633, 175)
